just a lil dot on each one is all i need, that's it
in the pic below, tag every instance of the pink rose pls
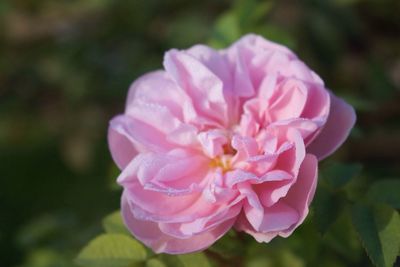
(222, 139)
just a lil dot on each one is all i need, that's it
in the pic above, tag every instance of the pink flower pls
(222, 139)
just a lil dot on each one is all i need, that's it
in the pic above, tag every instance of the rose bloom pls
(222, 139)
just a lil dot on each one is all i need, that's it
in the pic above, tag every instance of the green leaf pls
(113, 224)
(338, 174)
(275, 33)
(327, 207)
(170, 260)
(259, 262)
(388, 222)
(250, 12)
(46, 258)
(111, 250)
(194, 260)
(226, 30)
(155, 263)
(379, 232)
(344, 243)
(229, 246)
(386, 191)
(288, 258)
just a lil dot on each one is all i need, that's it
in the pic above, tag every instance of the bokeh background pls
(65, 67)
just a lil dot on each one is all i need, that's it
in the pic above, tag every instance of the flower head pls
(222, 139)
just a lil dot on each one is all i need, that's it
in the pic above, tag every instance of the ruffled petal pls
(246, 147)
(120, 143)
(318, 103)
(202, 224)
(174, 173)
(302, 192)
(150, 234)
(272, 191)
(288, 213)
(157, 88)
(252, 207)
(143, 137)
(278, 217)
(288, 101)
(212, 142)
(173, 207)
(301, 71)
(219, 65)
(260, 45)
(341, 120)
(291, 159)
(242, 224)
(203, 87)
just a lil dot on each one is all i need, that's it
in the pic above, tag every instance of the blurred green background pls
(65, 67)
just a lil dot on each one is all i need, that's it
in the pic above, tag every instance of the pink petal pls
(242, 224)
(184, 135)
(150, 234)
(249, 123)
(170, 208)
(239, 176)
(144, 137)
(301, 71)
(246, 147)
(276, 63)
(203, 87)
(307, 128)
(214, 61)
(252, 207)
(288, 101)
(156, 88)
(260, 44)
(156, 206)
(291, 159)
(271, 192)
(278, 217)
(287, 214)
(243, 85)
(302, 192)
(174, 173)
(341, 120)
(318, 102)
(127, 136)
(120, 143)
(202, 224)
(218, 64)
(212, 142)
(217, 191)
(155, 115)
(267, 89)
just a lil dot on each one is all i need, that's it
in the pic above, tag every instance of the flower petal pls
(212, 142)
(157, 88)
(150, 234)
(341, 120)
(120, 143)
(199, 83)
(278, 217)
(176, 172)
(288, 101)
(302, 192)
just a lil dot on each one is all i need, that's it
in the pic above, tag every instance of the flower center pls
(223, 162)
(228, 149)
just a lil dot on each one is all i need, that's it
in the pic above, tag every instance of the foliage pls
(112, 250)
(120, 249)
(64, 71)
